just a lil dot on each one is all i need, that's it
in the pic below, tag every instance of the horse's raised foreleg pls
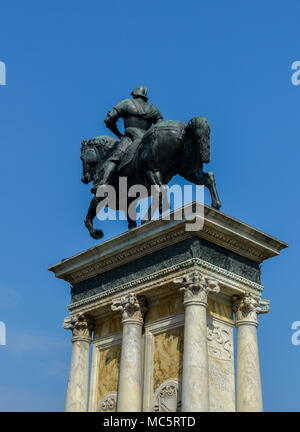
(88, 221)
(208, 180)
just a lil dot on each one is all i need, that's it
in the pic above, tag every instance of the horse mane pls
(104, 144)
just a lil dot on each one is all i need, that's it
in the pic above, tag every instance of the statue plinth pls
(157, 303)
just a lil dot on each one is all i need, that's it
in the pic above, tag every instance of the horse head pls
(89, 159)
(93, 154)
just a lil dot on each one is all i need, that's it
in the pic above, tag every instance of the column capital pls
(196, 287)
(247, 308)
(81, 327)
(132, 307)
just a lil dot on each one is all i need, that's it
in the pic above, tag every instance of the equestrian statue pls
(150, 152)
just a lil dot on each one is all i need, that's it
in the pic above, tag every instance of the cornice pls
(218, 228)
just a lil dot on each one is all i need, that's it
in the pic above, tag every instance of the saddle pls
(130, 152)
(136, 135)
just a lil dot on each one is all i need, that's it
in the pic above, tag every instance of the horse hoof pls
(96, 234)
(217, 205)
(132, 225)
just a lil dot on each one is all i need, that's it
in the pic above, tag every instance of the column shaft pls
(249, 394)
(78, 382)
(132, 308)
(130, 380)
(195, 392)
(195, 379)
(248, 382)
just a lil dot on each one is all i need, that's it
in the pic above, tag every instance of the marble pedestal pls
(159, 303)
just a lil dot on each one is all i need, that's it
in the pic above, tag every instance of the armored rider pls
(139, 115)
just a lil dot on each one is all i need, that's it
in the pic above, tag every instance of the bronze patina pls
(150, 152)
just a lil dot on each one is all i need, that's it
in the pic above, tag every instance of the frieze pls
(160, 278)
(191, 248)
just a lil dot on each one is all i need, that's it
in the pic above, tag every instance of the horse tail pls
(198, 130)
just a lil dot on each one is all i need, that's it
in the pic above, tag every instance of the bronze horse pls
(167, 149)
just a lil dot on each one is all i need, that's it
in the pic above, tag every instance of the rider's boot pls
(109, 169)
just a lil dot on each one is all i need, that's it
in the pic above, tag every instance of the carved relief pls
(167, 397)
(160, 278)
(80, 325)
(220, 365)
(219, 341)
(247, 307)
(131, 306)
(220, 376)
(197, 287)
(108, 403)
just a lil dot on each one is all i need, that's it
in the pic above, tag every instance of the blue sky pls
(67, 64)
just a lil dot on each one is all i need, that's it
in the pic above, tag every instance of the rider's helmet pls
(140, 91)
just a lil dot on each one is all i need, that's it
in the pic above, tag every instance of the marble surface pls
(77, 389)
(109, 367)
(195, 382)
(167, 357)
(130, 382)
(249, 394)
(220, 310)
(220, 366)
(162, 308)
(108, 327)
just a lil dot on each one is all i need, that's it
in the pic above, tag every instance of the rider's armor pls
(139, 115)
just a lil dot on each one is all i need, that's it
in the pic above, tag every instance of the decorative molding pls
(105, 342)
(162, 324)
(81, 327)
(230, 242)
(159, 278)
(196, 287)
(218, 228)
(131, 306)
(167, 397)
(128, 255)
(247, 308)
(108, 403)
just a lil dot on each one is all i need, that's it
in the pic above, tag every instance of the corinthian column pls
(249, 394)
(78, 382)
(130, 379)
(195, 392)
